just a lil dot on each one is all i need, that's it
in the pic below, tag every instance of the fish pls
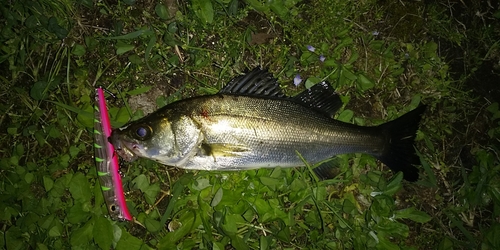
(107, 162)
(250, 123)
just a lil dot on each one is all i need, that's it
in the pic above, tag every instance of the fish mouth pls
(123, 147)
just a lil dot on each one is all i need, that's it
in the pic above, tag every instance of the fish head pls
(147, 139)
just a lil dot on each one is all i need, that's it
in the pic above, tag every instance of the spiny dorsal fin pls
(257, 82)
(320, 97)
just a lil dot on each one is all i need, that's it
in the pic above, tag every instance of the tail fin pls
(400, 153)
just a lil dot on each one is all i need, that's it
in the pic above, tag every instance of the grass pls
(383, 58)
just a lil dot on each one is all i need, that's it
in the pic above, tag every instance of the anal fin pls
(327, 170)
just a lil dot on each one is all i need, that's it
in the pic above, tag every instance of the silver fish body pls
(247, 130)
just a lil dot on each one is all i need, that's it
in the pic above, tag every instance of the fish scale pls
(269, 139)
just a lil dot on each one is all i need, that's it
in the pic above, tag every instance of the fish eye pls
(142, 132)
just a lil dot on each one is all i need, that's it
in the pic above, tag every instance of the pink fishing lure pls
(107, 162)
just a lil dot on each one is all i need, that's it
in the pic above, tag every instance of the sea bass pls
(250, 124)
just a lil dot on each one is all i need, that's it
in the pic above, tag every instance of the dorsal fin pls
(320, 97)
(257, 82)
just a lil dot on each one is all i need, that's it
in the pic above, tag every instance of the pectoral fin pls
(222, 150)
